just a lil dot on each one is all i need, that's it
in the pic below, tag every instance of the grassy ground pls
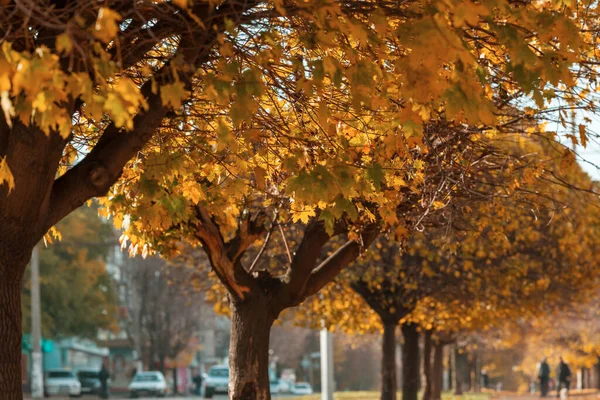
(376, 396)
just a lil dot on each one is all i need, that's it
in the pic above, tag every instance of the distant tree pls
(77, 294)
(166, 313)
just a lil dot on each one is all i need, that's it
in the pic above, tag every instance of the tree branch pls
(331, 267)
(306, 256)
(229, 271)
(101, 168)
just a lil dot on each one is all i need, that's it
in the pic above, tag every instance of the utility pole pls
(37, 379)
(326, 365)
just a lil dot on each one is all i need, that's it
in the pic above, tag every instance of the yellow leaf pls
(63, 43)
(438, 204)
(7, 107)
(107, 26)
(6, 175)
(259, 174)
(583, 135)
(173, 94)
(5, 70)
(303, 215)
(180, 3)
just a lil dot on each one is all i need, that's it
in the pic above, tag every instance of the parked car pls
(274, 386)
(90, 380)
(148, 383)
(302, 388)
(217, 381)
(62, 382)
(285, 386)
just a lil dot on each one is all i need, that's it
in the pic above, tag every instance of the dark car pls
(90, 380)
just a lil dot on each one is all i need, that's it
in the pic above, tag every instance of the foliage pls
(288, 130)
(77, 294)
(514, 257)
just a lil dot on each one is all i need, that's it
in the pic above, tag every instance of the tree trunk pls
(477, 366)
(410, 362)
(456, 383)
(427, 366)
(451, 367)
(161, 364)
(388, 362)
(437, 372)
(11, 276)
(460, 369)
(251, 322)
(597, 374)
(175, 383)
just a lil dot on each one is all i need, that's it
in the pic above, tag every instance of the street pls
(124, 396)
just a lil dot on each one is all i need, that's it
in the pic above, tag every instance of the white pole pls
(327, 383)
(37, 378)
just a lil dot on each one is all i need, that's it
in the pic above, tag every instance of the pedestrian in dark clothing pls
(563, 374)
(485, 379)
(103, 376)
(198, 382)
(544, 376)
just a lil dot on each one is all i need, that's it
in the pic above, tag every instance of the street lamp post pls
(37, 380)
(326, 365)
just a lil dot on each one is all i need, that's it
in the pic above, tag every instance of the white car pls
(149, 383)
(302, 388)
(217, 381)
(62, 382)
(274, 386)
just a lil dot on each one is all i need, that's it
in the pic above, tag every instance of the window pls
(219, 372)
(146, 378)
(61, 374)
(87, 375)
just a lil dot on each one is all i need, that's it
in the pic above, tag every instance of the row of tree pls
(324, 124)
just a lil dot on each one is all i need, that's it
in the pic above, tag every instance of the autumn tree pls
(227, 107)
(498, 261)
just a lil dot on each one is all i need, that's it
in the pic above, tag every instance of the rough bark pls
(11, 269)
(251, 321)
(388, 362)
(437, 372)
(410, 362)
(427, 366)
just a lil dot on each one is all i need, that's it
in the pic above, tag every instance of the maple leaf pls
(173, 94)
(107, 27)
(6, 177)
(304, 214)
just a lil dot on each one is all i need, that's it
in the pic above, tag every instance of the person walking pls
(544, 376)
(198, 383)
(104, 376)
(563, 374)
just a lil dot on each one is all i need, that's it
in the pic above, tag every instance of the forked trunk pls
(437, 372)
(251, 322)
(410, 362)
(427, 366)
(11, 273)
(388, 362)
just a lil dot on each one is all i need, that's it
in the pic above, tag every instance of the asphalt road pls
(215, 397)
